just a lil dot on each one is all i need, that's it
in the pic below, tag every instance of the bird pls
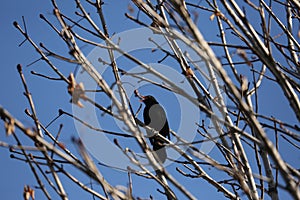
(155, 117)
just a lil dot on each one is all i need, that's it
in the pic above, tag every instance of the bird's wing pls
(157, 119)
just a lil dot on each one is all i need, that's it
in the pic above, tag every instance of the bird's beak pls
(142, 98)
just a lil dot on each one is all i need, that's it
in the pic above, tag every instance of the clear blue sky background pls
(48, 98)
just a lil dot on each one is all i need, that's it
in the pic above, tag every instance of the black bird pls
(155, 117)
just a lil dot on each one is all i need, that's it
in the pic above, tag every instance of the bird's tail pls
(160, 151)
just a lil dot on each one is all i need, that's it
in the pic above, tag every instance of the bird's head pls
(149, 100)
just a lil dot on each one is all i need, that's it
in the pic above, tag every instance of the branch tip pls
(60, 112)
(27, 112)
(116, 142)
(19, 67)
(15, 23)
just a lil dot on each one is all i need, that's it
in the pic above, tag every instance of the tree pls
(216, 80)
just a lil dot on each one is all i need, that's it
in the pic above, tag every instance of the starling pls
(155, 117)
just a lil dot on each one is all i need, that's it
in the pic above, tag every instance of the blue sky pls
(49, 96)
